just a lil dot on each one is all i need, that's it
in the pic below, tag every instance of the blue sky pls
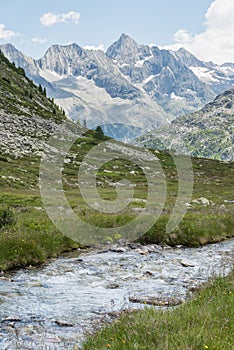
(33, 25)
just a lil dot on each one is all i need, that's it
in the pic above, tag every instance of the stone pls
(11, 318)
(118, 250)
(61, 323)
(148, 273)
(112, 286)
(186, 263)
(201, 201)
(157, 301)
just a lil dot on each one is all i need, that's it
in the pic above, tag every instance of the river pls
(56, 305)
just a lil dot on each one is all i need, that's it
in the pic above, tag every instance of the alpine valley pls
(130, 88)
(131, 227)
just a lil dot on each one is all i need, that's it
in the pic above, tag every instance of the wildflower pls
(108, 345)
(206, 347)
(123, 341)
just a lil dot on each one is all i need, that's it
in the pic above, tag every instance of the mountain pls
(27, 116)
(218, 77)
(129, 89)
(207, 133)
(166, 79)
(89, 86)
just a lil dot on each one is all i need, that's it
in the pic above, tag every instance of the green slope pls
(20, 96)
(208, 133)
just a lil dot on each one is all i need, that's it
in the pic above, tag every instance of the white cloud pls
(6, 34)
(99, 47)
(49, 19)
(216, 42)
(182, 36)
(39, 40)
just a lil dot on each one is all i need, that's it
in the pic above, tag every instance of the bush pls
(7, 217)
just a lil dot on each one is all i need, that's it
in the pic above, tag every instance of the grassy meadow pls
(30, 237)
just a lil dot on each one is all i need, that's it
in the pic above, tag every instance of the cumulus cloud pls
(49, 19)
(39, 40)
(182, 36)
(6, 34)
(216, 42)
(99, 47)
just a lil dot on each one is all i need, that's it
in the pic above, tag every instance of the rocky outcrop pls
(23, 136)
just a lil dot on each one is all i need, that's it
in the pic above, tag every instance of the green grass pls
(200, 226)
(205, 322)
(31, 239)
(20, 96)
(19, 191)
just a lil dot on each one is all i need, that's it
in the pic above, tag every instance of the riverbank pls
(28, 237)
(205, 322)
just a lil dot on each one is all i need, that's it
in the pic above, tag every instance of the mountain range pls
(130, 88)
(208, 133)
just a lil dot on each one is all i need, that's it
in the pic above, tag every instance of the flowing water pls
(54, 306)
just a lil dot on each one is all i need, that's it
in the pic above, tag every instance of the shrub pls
(7, 217)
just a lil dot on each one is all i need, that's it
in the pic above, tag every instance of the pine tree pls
(99, 132)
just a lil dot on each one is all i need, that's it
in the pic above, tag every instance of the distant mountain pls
(218, 77)
(207, 133)
(164, 78)
(88, 85)
(131, 88)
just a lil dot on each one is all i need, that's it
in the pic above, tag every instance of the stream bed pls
(56, 305)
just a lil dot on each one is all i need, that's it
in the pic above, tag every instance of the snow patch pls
(141, 62)
(204, 74)
(175, 97)
(50, 76)
(150, 77)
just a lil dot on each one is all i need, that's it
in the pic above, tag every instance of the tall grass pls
(30, 240)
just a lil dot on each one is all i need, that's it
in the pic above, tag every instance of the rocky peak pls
(61, 59)
(125, 50)
(188, 59)
(223, 104)
(19, 58)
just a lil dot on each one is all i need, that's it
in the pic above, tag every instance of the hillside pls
(207, 133)
(27, 116)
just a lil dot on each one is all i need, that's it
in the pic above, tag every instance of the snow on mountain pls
(160, 73)
(218, 77)
(136, 87)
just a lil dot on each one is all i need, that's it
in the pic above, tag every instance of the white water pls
(54, 306)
